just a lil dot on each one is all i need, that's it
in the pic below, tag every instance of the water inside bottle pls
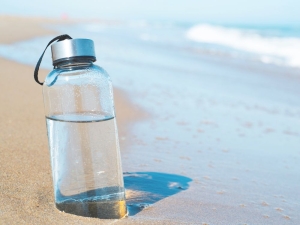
(86, 165)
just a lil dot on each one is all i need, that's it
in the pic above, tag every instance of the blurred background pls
(265, 12)
(265, 31)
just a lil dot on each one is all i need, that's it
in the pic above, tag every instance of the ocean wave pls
(277, 50)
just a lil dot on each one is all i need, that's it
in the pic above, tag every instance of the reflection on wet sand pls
(145, 188)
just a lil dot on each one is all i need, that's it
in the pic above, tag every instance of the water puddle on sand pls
(144, 189)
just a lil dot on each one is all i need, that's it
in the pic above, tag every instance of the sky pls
(215, 11)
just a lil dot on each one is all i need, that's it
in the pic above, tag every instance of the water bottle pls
(82, 132)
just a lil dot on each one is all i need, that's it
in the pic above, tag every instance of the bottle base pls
(96, 209)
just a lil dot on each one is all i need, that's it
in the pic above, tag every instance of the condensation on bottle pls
(82, 133)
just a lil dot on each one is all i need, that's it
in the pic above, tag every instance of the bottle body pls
(83, 141)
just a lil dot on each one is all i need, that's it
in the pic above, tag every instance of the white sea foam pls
(277, 50)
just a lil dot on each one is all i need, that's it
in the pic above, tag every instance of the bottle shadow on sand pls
(145, 188)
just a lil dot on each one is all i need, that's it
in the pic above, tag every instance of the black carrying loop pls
(37, 67)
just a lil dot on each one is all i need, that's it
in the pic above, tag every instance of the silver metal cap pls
(71, 48)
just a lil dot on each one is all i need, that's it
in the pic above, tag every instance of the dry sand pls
(26, 194)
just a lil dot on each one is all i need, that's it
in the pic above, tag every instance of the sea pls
(267, 44)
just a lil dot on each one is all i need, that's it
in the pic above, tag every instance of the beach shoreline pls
(203, 141)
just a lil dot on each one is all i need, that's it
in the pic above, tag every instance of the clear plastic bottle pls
(82, 133)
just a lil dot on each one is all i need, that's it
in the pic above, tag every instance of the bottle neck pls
(73, 62)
